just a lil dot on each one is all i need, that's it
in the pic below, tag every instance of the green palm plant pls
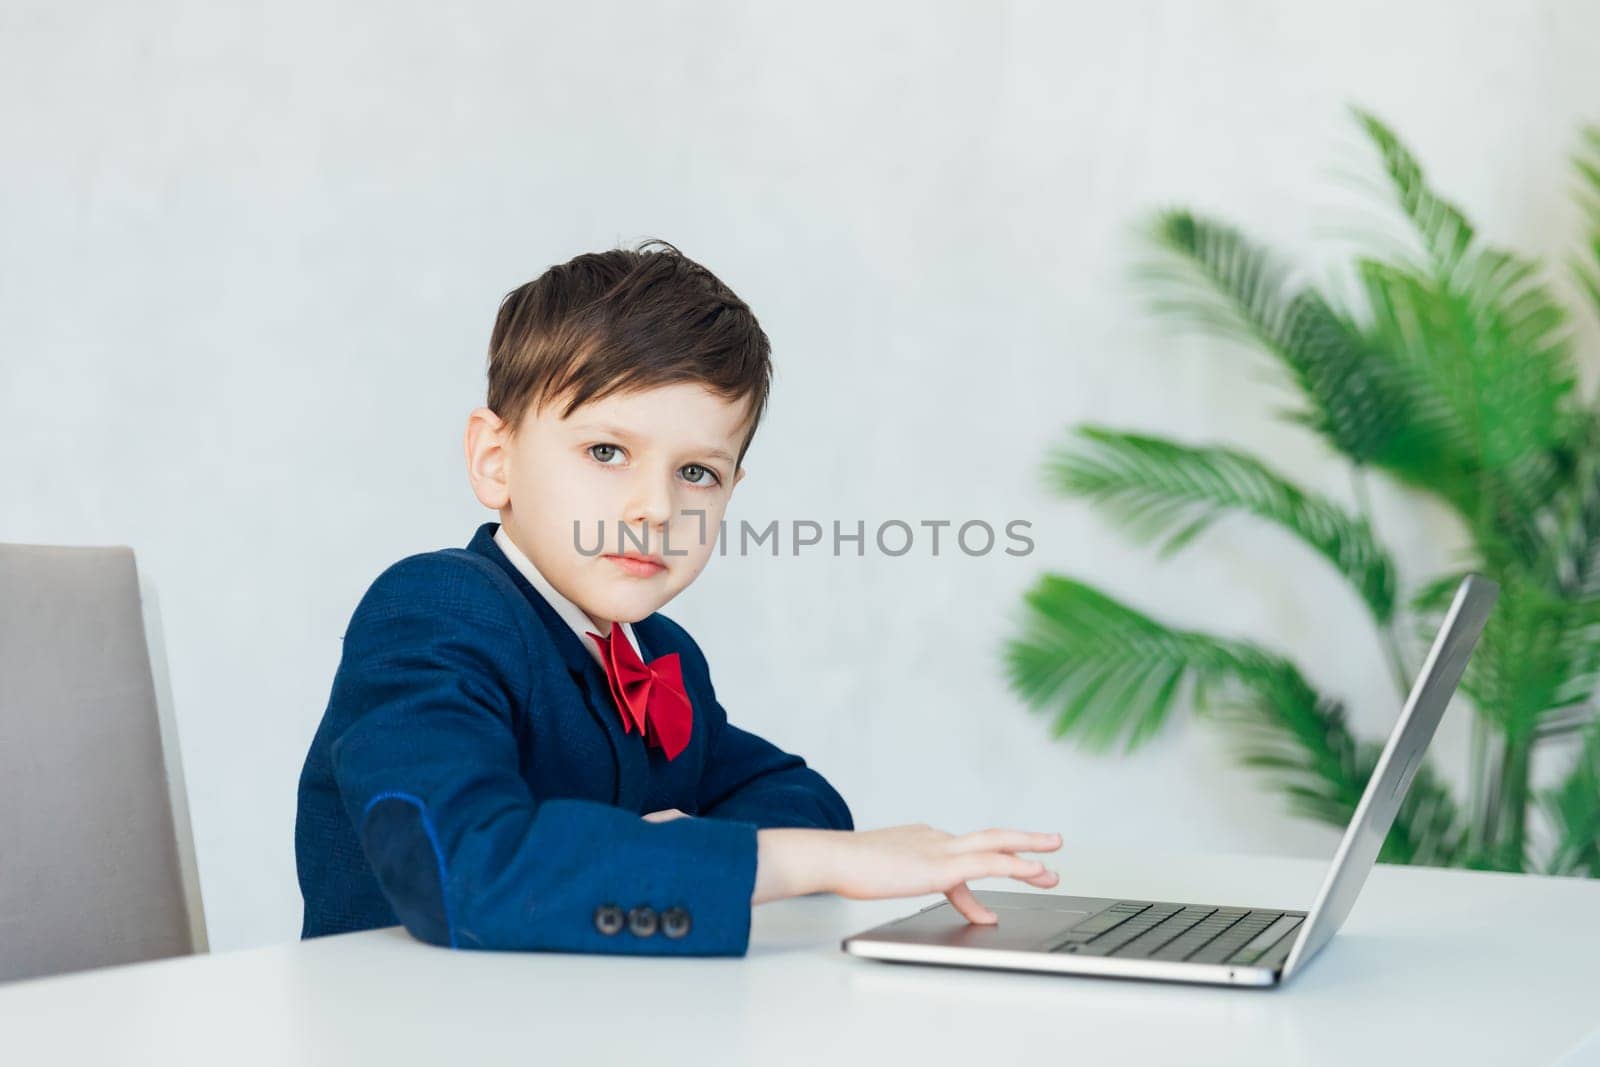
(1450, 370)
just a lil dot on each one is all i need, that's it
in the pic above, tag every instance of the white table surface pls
(1432, 967)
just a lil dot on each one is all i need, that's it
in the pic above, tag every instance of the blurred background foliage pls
(1450, 368)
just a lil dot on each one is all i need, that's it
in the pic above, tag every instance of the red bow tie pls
(651, 696)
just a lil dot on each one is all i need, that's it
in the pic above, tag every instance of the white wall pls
(250, 254)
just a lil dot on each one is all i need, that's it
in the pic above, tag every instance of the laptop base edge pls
(1051, 963)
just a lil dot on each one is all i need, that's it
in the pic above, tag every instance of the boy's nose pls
(650, 507)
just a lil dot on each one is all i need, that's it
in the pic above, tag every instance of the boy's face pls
(650, 461)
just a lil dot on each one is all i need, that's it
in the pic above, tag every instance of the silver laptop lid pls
(1401, 756)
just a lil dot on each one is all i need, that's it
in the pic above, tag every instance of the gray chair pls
(96, 856)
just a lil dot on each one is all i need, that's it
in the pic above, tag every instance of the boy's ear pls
(486, 448)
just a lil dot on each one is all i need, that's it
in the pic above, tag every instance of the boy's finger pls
(1044, 880)
(998, 840)
(962, 900)
(997, 865)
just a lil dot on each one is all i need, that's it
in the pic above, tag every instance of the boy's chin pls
(629, 600)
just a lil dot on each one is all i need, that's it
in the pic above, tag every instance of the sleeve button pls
(675, 922)
(608, 919)
(642, 920)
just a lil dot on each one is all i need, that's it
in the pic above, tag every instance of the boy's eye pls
(695, 474)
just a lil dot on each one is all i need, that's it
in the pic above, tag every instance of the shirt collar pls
(570, 613)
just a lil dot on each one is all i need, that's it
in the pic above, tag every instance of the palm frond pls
(1566, 555)
(1539, 653)
(1108, 671)
(1587, 163)
(1211, 276)
(1574, 810)
(1490, 348)
(1302, 745)
(1486, 359)
(1162, 489)
(1482, 349)
(1444, 231)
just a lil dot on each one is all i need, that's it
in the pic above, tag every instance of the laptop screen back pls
(1398, 762)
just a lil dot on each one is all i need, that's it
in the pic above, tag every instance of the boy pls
(503, 714)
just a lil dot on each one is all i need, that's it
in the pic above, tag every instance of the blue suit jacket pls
(471, 780)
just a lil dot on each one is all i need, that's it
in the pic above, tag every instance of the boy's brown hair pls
(615, 321)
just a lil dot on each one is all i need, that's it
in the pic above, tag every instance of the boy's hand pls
(665, 814)
(900, 861)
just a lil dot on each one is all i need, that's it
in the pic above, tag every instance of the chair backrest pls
(96, 857)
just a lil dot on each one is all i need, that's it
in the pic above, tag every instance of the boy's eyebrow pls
(614, 431)
(617, 431)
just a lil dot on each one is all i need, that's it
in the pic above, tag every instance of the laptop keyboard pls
(1194, 933)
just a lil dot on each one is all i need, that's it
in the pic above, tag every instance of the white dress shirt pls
(573, 615)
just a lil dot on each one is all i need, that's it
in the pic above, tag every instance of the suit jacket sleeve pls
(750, 779)
(434, 663)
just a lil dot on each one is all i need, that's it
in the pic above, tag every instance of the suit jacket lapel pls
(632, 764)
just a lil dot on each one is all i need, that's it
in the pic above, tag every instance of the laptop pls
(1209, 944)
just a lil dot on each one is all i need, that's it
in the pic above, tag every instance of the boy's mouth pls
(640, 566)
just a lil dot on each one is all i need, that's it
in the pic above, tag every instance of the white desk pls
(1433, 967)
